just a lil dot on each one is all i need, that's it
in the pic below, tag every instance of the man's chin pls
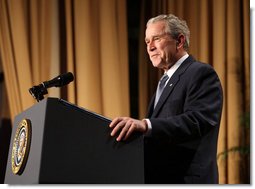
(156, 65)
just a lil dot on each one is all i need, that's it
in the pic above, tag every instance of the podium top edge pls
(83, 110)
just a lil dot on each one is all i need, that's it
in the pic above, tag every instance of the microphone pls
(39, 90)
(59, 81)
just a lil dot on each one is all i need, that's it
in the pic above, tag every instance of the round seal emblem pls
(21, 145)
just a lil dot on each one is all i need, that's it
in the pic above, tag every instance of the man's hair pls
(174, 26)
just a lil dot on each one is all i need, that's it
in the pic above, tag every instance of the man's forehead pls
(153, 33)
(155, 27)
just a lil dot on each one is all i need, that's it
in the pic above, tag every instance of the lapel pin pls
(171, 85)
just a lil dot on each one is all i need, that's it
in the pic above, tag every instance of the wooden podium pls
(67, 144)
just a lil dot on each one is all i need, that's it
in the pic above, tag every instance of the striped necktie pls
(160, 88)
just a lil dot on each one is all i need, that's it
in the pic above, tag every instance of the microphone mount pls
(38, 92)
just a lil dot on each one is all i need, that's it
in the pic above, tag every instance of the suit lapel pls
(151, 106)
(170, 85)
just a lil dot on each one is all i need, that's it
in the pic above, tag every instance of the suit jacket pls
(182, 145)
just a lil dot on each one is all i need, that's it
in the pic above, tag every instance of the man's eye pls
(156, 38)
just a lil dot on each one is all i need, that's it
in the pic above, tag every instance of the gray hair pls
(174, 26)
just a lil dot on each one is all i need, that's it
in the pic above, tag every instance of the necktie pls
(161, 86)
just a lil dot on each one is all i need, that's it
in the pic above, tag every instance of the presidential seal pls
(21, 145)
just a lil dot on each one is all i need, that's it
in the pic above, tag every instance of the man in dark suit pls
(181, 130)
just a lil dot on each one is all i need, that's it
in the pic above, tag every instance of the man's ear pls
(180, 40)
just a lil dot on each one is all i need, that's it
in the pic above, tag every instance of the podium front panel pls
(73, 145)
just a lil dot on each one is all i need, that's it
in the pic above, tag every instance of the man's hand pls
(126, 126)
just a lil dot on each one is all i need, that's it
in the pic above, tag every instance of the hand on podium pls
(125, 126)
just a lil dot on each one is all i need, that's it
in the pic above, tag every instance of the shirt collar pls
(171, 71)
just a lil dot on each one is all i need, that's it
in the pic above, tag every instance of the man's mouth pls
(154, 55)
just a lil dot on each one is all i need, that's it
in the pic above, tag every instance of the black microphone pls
(59, 81)
(39, 90)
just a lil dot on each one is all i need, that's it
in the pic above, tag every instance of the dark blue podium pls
(68, 144)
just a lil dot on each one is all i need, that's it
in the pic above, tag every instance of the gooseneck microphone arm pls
(39, 90)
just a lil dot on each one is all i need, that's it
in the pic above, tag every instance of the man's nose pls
(151, 46)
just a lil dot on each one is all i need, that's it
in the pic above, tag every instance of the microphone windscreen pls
(67, 78)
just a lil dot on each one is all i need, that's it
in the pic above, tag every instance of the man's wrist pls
(148, 125)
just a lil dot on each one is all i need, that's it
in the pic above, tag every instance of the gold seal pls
(21, 145)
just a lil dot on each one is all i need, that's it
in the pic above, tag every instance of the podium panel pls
(69, 144)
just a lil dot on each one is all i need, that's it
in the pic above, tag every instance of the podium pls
(67, 144)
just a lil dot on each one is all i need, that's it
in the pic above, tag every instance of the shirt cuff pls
(149, 126)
